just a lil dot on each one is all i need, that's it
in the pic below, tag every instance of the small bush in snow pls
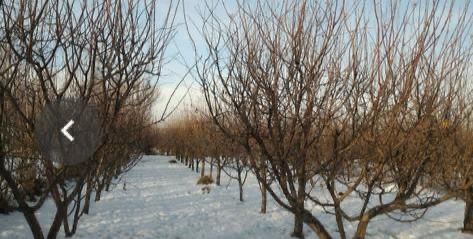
(205, 180)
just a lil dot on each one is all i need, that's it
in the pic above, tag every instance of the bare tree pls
(324, 91)
(108, 54)
(274, 77)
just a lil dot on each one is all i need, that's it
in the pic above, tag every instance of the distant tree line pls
(197, 143)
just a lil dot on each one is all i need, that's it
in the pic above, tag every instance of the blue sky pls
(180, 52)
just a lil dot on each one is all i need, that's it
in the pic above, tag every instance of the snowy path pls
(162, 200)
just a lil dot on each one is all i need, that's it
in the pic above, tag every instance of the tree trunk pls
(299, 207)
(339, 219)
(29, 215)
(197, 162)
(240, 186)
(77, 215)
(362, 227)
(65, 225)
(264, 196)
(264, 192)
(107, 186)
(240, 180)
(202, 171)
(88, 193)
(211, 167)
(34, 225)
(315, 225)
(219, 172)
(98, 193)
(56, 225)
(468, 218)
(298, 231)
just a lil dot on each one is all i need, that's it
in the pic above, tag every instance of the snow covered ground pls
(162, 200)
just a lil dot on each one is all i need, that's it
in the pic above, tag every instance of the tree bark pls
(29, 215)
(240, 180)
(298, 231)
(300, 206)
(468, 218)
(315, 225)
(88, 194)
(240, 185)
(34, 225)
(202, 170)
(219, 172)
(362, 227)
(339, 219)
(77, 215)
(264, 198)
(98, 193)
(211, 167)
(56, 225)
(264, 192)
(107, 186)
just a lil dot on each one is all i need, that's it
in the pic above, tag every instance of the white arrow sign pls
(64, 130)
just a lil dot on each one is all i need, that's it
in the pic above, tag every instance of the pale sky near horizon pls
(180, 55)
